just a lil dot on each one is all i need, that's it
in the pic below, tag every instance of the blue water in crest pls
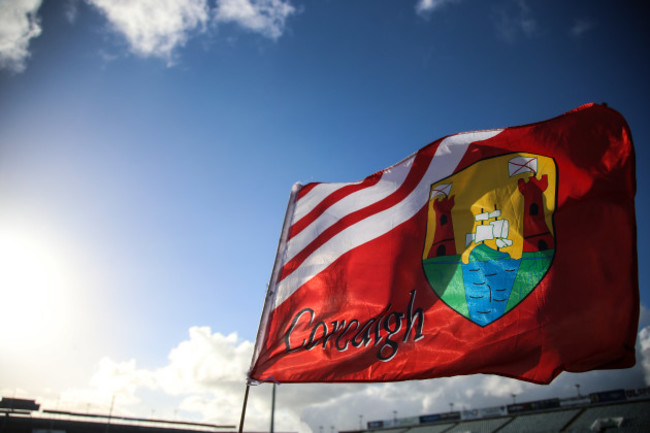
(489, 277)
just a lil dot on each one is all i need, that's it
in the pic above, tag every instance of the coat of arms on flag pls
(489, 235)
(482, 252)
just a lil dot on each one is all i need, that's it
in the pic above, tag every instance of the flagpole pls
(273, 409)
(269, 300)
(243, 409)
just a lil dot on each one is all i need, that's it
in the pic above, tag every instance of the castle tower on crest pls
(537, 236)
(444, 243)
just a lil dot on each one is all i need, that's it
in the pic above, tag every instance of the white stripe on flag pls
(388, 184)
(315, 196)
(447, 156)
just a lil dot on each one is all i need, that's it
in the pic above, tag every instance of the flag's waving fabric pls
(509, 251)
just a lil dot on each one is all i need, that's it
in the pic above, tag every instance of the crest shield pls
(490, 237)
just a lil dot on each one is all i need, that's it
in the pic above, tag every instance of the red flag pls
(510, 252)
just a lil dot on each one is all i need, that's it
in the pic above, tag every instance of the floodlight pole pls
(273, 409)
(110, 414)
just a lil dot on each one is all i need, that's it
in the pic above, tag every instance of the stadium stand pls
(541, 422)
(479, 426)
(396, 430)
(634, 417)
(624, 411)
(438, 428)
(25, 416)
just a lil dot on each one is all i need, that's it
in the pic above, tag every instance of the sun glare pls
(32, 286)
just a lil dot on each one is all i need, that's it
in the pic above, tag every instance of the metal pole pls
(110, 414)
(273, 409)
(243, 409)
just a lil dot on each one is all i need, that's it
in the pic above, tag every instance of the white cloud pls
(511, 23)
(644, 344)
(581, 26)
(424, 7)
(204, 361)
(266, 17)
(70, 9)
(112, 380)
(152, 28)
(204, 377)
(155, 27)
(19, 24)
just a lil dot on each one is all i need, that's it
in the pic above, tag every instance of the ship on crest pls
(496, 230)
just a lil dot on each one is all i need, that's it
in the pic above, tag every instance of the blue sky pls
(147, 150)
